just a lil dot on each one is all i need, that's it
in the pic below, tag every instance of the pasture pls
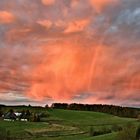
(58, 124)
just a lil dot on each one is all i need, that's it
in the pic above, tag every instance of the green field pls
(67, 125)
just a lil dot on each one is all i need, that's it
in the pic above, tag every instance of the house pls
(9, 116)
(25, 116)
(21, 116)
(17, 114)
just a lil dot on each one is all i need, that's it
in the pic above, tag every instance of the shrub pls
(91, 131)
(1, 112)
(4, 134)
(106, 130)
(138, 117)
(128, 133)
(94, 132)
(44, 115)
(35, 118)
(138, 133)
(116, 128)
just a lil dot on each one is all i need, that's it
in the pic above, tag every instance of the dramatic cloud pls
(70, 51)
(100, 4)
(48, 2)
(74, 3)
(46, 23)
(6, 17)
(77, 26)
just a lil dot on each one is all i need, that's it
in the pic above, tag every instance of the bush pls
(116, 128)
(106, 130)
(1, 112)
(35, 118)
(4, 134)
(128, 133)
(44, 115)
(138, 117)
(138, 133)
(103, 131)
(91, 131)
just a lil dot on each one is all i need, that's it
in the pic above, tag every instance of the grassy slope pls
(19, 128)
(87, 118)
(111, 136)
(81, 119)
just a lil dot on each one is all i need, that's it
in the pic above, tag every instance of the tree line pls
(111, 109)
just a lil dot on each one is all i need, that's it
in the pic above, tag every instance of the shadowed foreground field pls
(67, 125)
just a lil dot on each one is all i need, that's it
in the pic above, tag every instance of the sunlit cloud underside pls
(85, 51)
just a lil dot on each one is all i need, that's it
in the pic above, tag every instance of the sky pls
(83, 51)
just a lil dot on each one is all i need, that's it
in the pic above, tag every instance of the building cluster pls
(20, 116)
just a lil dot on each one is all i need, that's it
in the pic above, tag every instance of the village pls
(24, 115)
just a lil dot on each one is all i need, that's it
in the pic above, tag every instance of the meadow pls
(59, 124)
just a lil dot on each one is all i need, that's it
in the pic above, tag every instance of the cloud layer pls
(70, 51)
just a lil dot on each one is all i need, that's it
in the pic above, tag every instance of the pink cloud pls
(6, 17)
(74, 3)
(17, 34)
(60, 24)
(45, 23)
(76, 26)
(100, 4)
(69, 52)
(48, 2)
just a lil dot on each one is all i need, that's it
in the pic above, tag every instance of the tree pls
(35, 118)
(128, 133)
(91, 131)
(28, 114)
(1, 112)
(138, 133)
(4, 134)
(22, 114)
(138, 117)
(46, 106)
(11, 111)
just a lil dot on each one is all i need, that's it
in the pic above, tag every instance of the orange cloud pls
(45, 23)
(6, 17)
(76, 26)
(17, 34)
(69, 69)
(64, 70)
(100, 4)
(74, 3)
(60, 24)
(48, 2)
(81, 57)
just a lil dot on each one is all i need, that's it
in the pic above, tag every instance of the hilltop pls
(60, 124)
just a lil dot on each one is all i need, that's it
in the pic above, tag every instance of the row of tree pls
(111, 109)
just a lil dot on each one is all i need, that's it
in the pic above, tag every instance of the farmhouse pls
(21, 116)
(17, 114)
(12, 116)
(9, 116)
